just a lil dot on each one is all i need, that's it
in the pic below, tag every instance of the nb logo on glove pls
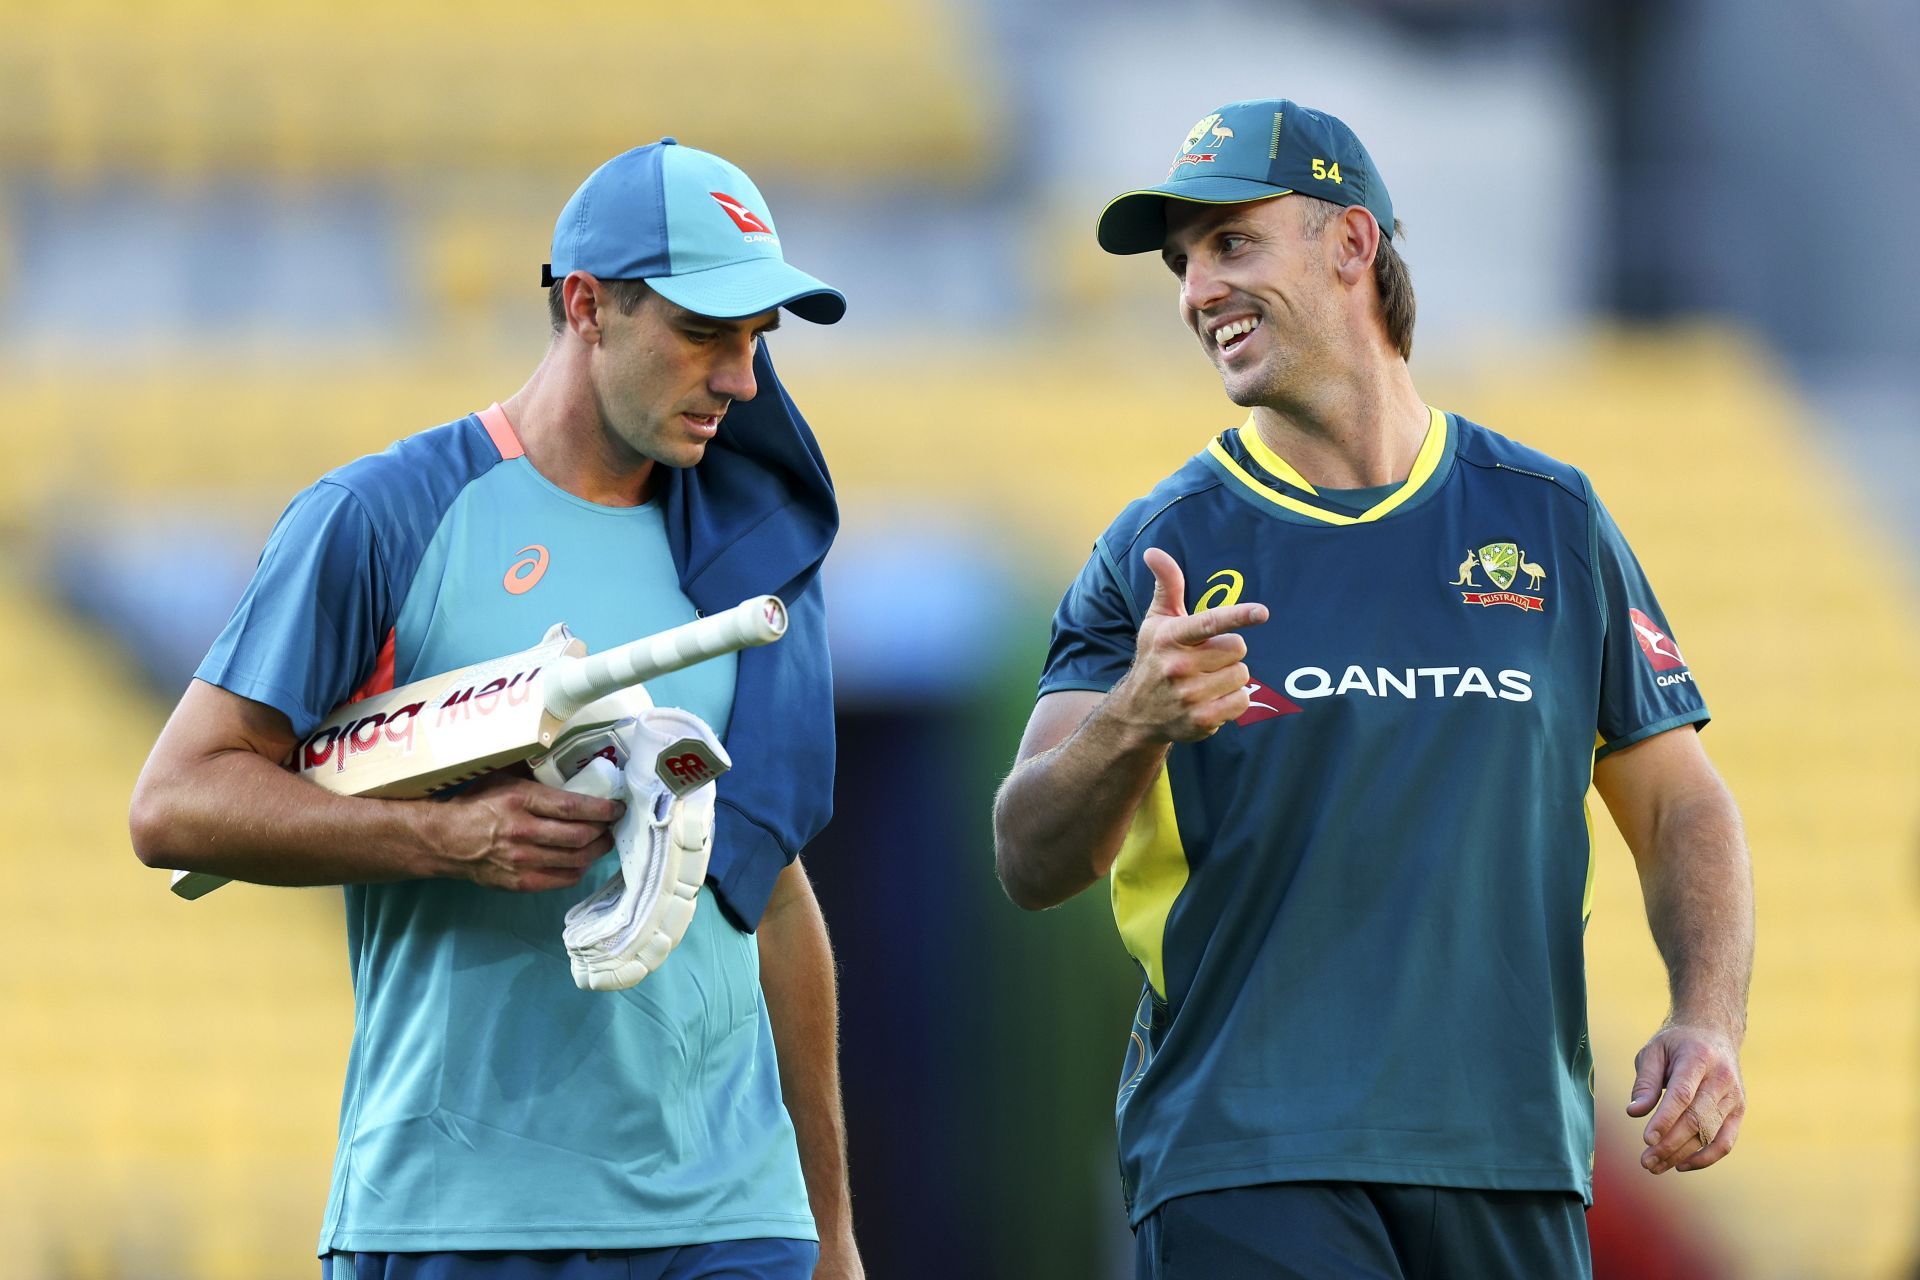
(686, 765)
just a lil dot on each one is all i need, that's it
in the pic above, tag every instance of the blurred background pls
(243, 243)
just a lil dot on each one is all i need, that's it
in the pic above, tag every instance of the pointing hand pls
(1189, 673)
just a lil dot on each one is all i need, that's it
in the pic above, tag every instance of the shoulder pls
(1493, 453)
(423, 472)
(1160, 508)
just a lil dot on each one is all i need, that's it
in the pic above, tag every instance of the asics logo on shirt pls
(1223, 591)
(524, 574)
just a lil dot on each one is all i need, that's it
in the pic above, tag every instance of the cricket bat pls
(451, 728)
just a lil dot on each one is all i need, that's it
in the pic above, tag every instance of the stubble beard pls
(1262, 384)
(639, 435)
(1287, 370)
(665, 447)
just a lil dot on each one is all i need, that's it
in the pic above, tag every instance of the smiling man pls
(1338, 784)
(498, 1122)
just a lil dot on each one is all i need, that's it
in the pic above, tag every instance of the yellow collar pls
(1424, 464)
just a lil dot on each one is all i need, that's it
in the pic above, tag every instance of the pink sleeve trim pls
(494, 419)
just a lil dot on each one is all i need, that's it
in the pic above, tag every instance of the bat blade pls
(447, 729)
(438, 732)
(427, 736)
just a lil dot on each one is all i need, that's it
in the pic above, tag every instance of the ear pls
(1358, 240)
(581, 296)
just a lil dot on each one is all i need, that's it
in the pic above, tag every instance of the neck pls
(1355, 431)
(567, 439)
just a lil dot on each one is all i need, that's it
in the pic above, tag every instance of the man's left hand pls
(1693, 1073)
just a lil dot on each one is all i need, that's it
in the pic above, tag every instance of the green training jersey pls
(1358, 910)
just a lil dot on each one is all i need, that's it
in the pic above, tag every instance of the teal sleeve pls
(309, 627)
(1646, 686)
(1094, 631)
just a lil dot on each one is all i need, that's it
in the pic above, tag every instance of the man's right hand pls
(1189, 673)
(510, 832)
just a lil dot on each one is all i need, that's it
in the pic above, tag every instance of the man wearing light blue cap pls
(1349, 846)
(691, 225)
(498, 1122)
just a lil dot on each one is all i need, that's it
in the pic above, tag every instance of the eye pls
(1178, 265)
(700, 335)
(1230, 242)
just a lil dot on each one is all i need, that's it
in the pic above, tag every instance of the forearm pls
(797, 976)
(1698, 884)
(240, 815)
(1062, 815)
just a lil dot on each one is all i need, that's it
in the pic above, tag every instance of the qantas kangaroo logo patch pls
(1267, 703)
(1660, 650)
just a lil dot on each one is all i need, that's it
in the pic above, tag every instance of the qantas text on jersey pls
(1409, 682)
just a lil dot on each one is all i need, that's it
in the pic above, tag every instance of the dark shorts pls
(726, 1260)
(1365, 1231)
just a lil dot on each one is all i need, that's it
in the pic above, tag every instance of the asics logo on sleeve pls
(524, 574)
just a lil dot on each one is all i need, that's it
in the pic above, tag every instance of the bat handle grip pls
(575, 682)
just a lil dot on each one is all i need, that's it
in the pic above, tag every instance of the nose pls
(1201, 287)
(732, 375)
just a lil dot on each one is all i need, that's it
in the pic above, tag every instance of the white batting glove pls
(626, 929)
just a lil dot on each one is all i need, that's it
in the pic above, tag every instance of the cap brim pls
(1136, 221)
(748, 288)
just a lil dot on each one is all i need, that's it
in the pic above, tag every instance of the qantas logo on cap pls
(1661, 651)
(744, 218)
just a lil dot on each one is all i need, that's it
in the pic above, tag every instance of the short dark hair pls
(1394, 283)
(627, 295)
(1391, 279)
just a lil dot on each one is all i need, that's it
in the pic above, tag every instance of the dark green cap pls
(1251, 151)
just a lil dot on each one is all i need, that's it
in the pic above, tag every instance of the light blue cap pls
(694, 227)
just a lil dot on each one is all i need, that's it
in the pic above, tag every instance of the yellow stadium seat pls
(851, 89)
(171, 1077)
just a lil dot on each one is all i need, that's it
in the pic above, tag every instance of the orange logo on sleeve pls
(524, 574)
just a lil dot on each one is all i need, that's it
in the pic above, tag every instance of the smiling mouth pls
(1229, 336)
(706, 424)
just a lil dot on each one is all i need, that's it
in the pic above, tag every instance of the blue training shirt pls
(1359, 909)
(489, 1103)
